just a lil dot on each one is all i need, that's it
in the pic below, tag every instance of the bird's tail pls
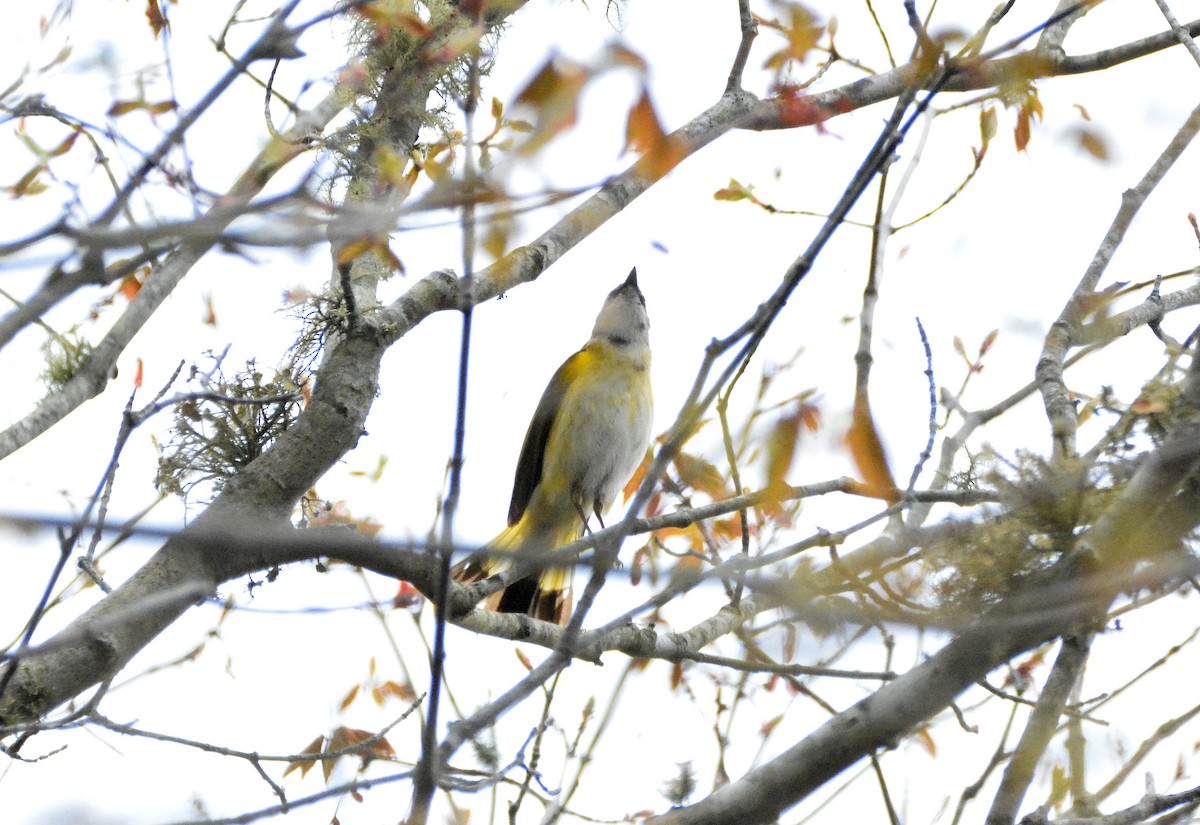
(545, 595)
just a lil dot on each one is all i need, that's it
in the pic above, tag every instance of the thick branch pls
(1040, 728)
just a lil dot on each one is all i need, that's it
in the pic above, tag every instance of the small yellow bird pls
(589, 433)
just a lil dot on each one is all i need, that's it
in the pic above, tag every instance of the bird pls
(588, 435)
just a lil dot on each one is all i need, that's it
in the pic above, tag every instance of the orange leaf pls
(624, 56)
(1031, 107)
(528, 665)
(304, 765)
(781, 449)
(644, 133)
(635, 481)
(700, 475)
(802, 33)
(728, 529)
(130, 286)
(869, 458)
(403, 692)
(348, 739)
(137, 376)
(370, 243)
(210, 314)
(348, 698)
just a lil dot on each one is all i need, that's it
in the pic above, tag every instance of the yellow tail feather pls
(549, 598)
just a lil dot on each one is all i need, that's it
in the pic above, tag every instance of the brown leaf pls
(28, 184)
(304, 765)
(155, 18)
(1031, 108)
(553, 95)
(1092, 142)
(65, 146)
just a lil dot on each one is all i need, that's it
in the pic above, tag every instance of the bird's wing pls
(533, 451)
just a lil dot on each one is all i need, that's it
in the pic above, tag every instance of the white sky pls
(1004, 256)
